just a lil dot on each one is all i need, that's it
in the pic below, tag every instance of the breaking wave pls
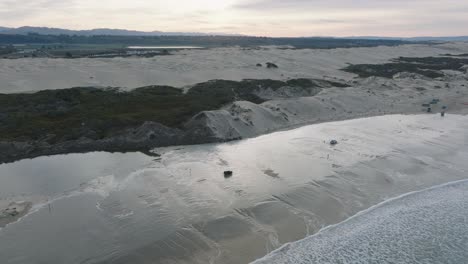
(428, 226)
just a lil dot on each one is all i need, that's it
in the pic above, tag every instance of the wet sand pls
(129, 208)
(10, 212)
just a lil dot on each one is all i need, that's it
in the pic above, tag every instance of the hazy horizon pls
(275, 18)
(237, 34)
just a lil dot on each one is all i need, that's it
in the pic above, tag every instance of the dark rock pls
(228, 174)
(333, 142)
(271, 65)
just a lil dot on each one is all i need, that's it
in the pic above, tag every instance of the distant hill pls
(456, 38)
(124, 32)
(95, 32)
(447, 38)
(199, 41)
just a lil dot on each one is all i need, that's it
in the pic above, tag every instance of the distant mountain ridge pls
(124, 32)
(428, 38)
(98, 31)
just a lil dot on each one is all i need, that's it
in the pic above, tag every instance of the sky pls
(288, 18)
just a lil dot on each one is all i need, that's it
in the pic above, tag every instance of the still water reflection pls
(131, 208)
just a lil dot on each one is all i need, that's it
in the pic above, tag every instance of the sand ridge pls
(189, 67)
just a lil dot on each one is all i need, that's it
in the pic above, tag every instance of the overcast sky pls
(252, 17)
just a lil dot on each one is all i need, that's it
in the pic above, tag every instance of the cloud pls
(13, 11)
(329, 4)
(257, 17)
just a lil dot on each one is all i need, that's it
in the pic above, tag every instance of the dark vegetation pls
(7, 49)
(428, 66)
(204, 41)
(84, 52)
(77, 51)
(456, 55)
(68, 114)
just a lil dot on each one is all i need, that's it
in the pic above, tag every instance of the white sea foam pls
(427, 226)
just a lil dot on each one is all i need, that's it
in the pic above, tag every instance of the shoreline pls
(294, 201)
(234, 122)
(292, 198)
(327, 229)
(116, 145)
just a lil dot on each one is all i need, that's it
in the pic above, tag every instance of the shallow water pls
(131, 208)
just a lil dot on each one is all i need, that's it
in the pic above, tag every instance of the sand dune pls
(369, 97)
(404, 93)
(193, 66)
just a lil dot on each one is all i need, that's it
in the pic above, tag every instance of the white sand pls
(369, 97)
(193, 66)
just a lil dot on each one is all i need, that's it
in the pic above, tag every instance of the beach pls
(173, 202)
(179, 208)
